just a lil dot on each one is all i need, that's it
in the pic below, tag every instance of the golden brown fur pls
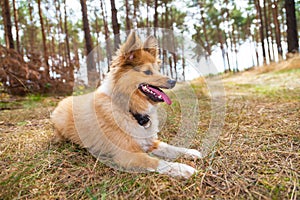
(102, 121)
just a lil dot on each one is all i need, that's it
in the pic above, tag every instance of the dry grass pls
(257, 155)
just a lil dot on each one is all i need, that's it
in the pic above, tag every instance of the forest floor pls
(257, 155)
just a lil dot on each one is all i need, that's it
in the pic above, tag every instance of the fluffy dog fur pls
(106, 123)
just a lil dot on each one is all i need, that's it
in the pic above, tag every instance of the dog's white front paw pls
(193, 154)
(175, 169)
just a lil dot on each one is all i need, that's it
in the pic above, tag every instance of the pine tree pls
(16, 18)
(115, 24)
(291, 22)
(44, 40)
(277, 27)
(7, 24)
(91, 66)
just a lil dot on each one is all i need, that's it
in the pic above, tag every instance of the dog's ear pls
(132, 45)
(151, 46)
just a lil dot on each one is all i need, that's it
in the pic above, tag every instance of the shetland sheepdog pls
(119, 120)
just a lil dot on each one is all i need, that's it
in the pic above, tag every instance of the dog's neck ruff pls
(107, 86)
(143, 120)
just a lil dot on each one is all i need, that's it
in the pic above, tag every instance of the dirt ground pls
(257, 154)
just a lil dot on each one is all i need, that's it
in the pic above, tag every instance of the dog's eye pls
(148, 72)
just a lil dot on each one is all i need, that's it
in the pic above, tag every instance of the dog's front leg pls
(141, 160)
(165, 150)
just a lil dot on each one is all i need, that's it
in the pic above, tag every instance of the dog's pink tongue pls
(163, 96)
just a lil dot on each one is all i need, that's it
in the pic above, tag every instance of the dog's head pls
(135, 72)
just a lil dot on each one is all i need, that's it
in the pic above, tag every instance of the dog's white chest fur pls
(143, 135)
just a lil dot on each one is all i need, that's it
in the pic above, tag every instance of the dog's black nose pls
(172, 83)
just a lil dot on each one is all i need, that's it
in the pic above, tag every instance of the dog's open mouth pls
(154, 93)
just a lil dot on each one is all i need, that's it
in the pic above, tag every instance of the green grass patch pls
(10, 105)
(81, 90)
(22, 123)
(266, 90)
(32, 101)
(28, 102)
(288, 71)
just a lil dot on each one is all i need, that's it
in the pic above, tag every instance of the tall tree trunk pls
(97, 28)
(59, 31)
(107, 39)
(207, 45)
(76, 54)
(67, 36)
(227, 57)
(271, 21)
(166, 26)
(292, 34)
(183, 61)
(267, 29)
(135, 7)
(230, 46)
(49, 44)
(44, 40)
(70, 65)
(261, 29)
(256, 39)
(175, 64)
(53, 53)
(227, 35)
(115, 24)
(32, 36)
(165, 60)
(127, 15)
(61, 44)
(147, 19)
(91, 67)
(282, 21)
(86, 28)
(7, 24)
(171, 66)
(16, 17)
(277, 29)
(234, 47)
(167, 47)
(220, 38)
(155, 14)
(97, 46)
